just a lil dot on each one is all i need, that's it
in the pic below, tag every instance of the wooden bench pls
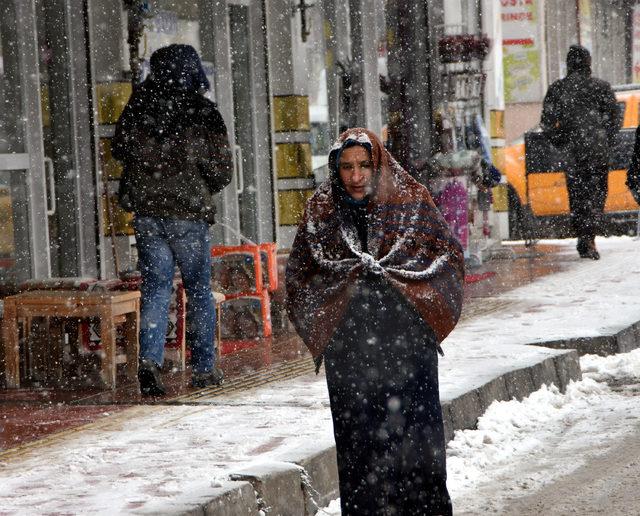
(112, 308)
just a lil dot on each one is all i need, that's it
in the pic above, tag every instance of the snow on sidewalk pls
(519, 446)
(162, 450)
(590, 299)
(155, 453)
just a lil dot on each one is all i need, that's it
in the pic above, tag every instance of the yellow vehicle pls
(538, 198)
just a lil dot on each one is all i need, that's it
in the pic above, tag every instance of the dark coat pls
(382, 376)
(173, 142)
(633, 174)
(580, 114)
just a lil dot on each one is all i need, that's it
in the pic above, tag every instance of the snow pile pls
(332, 510)
(513, 428)
(602, 369)
(519, 446)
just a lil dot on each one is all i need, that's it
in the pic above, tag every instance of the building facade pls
(286, 76)
(65, 76)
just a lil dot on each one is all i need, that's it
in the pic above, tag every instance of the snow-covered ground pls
(148, 455)
(155, 454)
(590, 299)
(520, 446)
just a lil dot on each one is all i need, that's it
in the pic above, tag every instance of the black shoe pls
(582, 247)
(587, 248)
(149, 379)
(592, 254)
(211, 378)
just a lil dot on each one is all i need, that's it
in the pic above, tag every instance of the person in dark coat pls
(581, 117)
(175, 150)
(374, 284)
(633, 173)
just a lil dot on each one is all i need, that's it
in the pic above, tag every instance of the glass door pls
(24, 236)
(66, 132)
(243, 115)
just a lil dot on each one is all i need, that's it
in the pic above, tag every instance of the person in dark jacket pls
(174, 147)
(580, 116)
(374, 284)
(633, 173)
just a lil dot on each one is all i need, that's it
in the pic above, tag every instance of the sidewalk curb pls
(278, 487)
(462, 413)
(624, 341)
(319, 473)
(302, 481)
(229, 498)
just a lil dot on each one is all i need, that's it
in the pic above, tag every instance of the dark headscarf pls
(354, 209)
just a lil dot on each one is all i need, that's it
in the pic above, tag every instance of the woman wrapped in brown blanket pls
(374, 284)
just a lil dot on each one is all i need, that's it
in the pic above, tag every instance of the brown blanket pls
(409, 242)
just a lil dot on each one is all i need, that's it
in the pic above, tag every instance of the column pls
(494, 108)
(289, 78)
(364, 47)
(412, 35)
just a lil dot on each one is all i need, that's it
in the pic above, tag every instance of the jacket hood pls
(178, 66)
(578, 59)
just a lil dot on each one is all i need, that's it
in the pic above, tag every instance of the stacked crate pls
(247, 275)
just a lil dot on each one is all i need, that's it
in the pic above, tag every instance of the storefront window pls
(14, 248)
(11, 125)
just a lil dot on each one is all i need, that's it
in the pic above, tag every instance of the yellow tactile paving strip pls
(283, 371)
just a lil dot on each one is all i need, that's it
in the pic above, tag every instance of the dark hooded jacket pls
(172, 141)
(633, 174)
(580, 112)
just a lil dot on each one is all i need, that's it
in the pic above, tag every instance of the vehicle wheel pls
(522, 224)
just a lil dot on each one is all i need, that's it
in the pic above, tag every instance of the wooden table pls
(111, 307)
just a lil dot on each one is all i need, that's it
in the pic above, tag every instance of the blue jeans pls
(162, 242)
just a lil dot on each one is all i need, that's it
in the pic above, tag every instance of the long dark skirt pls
(382, 374)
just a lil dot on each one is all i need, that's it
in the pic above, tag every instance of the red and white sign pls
(522, 50)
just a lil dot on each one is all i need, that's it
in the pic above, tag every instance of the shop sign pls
(635, 23)
(522, 49)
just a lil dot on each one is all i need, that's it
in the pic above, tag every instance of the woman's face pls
(356, 171)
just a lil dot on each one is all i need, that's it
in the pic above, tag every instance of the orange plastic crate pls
(245, 269)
